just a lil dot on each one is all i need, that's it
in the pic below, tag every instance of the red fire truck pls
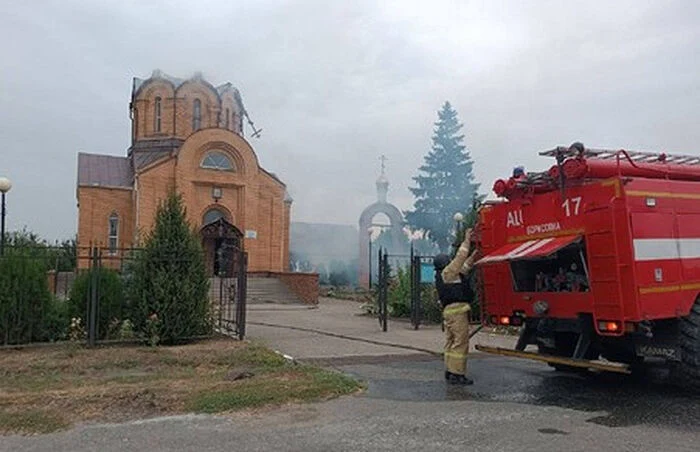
(598, 260)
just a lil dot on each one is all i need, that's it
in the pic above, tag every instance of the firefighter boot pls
(460, 380)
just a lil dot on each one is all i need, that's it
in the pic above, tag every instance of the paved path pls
(337, 328)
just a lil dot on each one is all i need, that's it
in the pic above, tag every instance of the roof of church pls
(178, 81)
(148, 151)
(104, 170)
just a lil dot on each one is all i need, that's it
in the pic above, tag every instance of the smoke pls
(334, 85)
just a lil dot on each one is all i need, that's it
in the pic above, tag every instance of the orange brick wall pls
(152, 187)
(254, 199)
(177, 108)
(96, 204)
(144, 106)
(184, 108)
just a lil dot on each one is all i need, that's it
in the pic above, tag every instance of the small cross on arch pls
(383, 159)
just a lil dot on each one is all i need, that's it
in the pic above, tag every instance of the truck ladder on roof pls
(636, 156)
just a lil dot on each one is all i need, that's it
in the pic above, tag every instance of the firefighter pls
(454, 290)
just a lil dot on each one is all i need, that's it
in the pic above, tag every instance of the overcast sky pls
(335, 84)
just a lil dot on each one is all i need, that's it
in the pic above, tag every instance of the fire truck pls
(597, 260)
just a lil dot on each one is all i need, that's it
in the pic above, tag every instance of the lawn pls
(48, 389)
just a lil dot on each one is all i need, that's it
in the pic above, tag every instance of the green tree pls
(25, 299)
(167, 283)
(59, 256)
(445, 184)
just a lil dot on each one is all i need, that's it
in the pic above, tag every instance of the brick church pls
(186, 134)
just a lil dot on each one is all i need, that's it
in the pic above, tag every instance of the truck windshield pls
(564, 271)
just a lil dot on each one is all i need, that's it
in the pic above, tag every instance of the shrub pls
(432, 310)
(24, 297)
(110, 304)
(167, 283)
(55, 321)
(399, 293)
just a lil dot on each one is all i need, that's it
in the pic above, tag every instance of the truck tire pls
(690, 347)
(564, 346)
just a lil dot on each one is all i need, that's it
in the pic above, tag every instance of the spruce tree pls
(445, 183)
(168, 284)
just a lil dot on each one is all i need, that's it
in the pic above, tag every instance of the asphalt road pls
(513, 406)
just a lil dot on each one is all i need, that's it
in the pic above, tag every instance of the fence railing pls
(90, 295)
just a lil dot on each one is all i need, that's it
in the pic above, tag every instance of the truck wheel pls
(690, 346)
(564, 345)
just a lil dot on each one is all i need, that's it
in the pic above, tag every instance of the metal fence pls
(50, 294)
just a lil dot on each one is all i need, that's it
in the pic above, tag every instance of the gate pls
(422, 274)
(383, 276)
(228, 289)
(419, 275)
(422, 278)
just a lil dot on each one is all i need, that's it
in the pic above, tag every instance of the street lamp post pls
(5, 186)
(369, 276)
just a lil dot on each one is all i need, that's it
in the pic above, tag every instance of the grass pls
(49, 389)
(34, 421)
(303, 384)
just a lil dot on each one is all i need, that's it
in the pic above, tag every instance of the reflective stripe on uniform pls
(456, 355)
(458, 309)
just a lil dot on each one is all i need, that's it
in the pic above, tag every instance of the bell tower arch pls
(368, 227)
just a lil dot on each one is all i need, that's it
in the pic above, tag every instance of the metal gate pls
(422, 277)
(422, 274)
(383, 276)
(228, 291)
(417, 279)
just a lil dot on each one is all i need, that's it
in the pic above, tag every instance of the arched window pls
(217, 160)
(113, 236)
(157, 116)
(212, 215)
(227, 117)
(197, 115)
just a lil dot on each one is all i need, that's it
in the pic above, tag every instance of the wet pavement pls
(624, 400)
(514, 405)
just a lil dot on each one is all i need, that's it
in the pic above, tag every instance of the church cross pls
(383, 159)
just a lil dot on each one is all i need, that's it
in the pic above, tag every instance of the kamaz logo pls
(664, 352)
